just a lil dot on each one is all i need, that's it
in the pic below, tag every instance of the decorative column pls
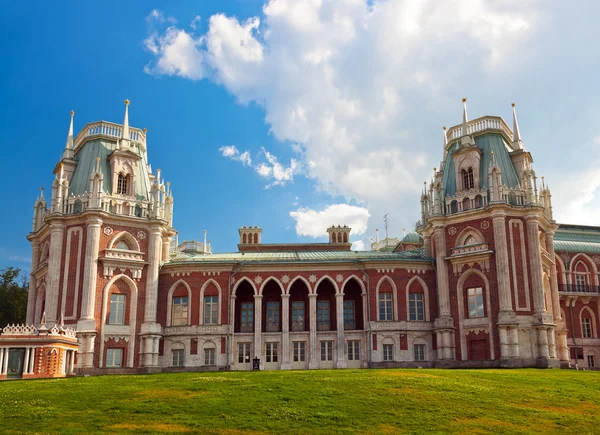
(535, 260)
(1, 359)
(502, 270)
(90, 274)
(26, 361)
(232, 331)
(514, 341)
(258, 329)
(312, 304)
(5, 362)
(31, 368)
(444, 323)
(542, 339)
(285, 332)
(427, 245)
(339, 310)
(57, 232)
(553, 277)
(563, 348)
(150, 329)
(72, 363)
(504, 343)
(551, 343)
(35, 259)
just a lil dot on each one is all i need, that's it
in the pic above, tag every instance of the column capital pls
(532, 219)
(258, 297)
(312, 295)
(498, 214)
(339, 295)
(93, 221)
(57, 226)
(285, 296)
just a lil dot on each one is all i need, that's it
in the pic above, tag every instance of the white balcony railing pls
(494, 123)
(112, 130)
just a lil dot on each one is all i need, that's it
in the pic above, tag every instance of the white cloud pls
(272, 170)
(195, 22)
(231, 152)
(314, 223)
(358, 245)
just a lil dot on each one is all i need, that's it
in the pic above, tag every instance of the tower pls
(97, 249)
(491, 231)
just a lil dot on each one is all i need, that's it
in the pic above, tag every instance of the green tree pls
(13, 296)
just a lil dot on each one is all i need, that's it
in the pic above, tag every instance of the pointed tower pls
(517, 142)
(69, 152)
(124, 142)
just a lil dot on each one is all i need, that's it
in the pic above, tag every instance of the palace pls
(487, 279)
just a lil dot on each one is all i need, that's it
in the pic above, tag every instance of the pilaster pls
(502, 270)
(57, 232)
(339, 309)
(258, 329)
(32, 296)
(285, 332)
(314, 360)
(87, 320)
(535, 260)
(444, 324)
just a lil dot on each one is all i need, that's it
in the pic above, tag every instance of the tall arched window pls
(468, 180)
(122, 184)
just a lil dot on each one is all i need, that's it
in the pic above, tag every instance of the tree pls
(13, 297)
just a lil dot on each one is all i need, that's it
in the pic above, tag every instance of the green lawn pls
(325, 402)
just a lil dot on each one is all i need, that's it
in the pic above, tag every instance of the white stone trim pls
(394, 298)
(170, 302)
(66, 277)
(327, 277)
(461, 315)
(518, 306)
(219, 299)
(465, 233)
(271, 278)
(593, 316)
(132, 316)
(301, 278)
(126, 236)
(242, 279)
(425, 298)
(594, 271)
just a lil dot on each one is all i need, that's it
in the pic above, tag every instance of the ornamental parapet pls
(402, 325)
(194, 330)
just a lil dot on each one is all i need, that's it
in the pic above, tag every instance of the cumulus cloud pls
(314, 223)
(340, 81)
(231, 152)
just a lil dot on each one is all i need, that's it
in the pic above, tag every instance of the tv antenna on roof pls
(386, 221)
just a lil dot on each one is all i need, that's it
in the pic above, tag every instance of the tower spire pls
(125, 132)
(465, 117)
(516, 133)
(69, 152)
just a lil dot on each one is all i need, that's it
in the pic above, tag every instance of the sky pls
(297, 114)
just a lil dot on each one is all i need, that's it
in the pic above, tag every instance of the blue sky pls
(339, 105)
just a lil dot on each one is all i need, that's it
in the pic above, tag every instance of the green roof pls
(86, 164)
(587, 247)
(577, 238)
(412, 237)
(486, 143)
(299, 257)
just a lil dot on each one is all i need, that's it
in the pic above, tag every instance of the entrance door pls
(478, 350)
(15, 363)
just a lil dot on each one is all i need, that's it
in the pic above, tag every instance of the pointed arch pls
(360, 283)
(271, 278)
(464, 235)
(301, 278)
(591, 316)
(327, 277)
(592, 270)
(127, 237)
(394, 297)
(461, 310)
(563, 271)
(133, 301)
(219, 300)
(425, 297)
(170, 301)
(237, 284)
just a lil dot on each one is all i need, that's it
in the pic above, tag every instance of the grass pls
(322, 402)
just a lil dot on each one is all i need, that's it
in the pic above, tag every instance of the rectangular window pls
(179, 314)
(211, 306)
(298, 316)
(243, 353)
(415, 305)
(591, 361)
(272, 352)
(388, 352)
(114, 357)
(272, 316)
(586, 327)
(299, 351)
(327, 351)
(580, 283)
(475, 296)
(247, 316)
(209, 357)
(117, 310)
(323, 315)
(419, 350)
(385, 306)
(349, 322)
(177, 357)
(353, 350)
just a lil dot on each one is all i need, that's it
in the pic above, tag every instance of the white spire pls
(516, 133)
(465, 117)
(68, 153)
(125, 132)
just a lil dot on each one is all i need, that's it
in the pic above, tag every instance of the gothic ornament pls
(258, 279)
(285, 279)
(485, 225)
(312, 279)
(452, 231)
(339, 278)
(141, 235)
(108, 231)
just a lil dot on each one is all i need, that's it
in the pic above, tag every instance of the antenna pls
(386, 221)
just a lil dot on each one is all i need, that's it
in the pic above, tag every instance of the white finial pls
(204, 246)
(516, 132)
(465, 117)
(68, 153)
(125, 132)
(445, 138)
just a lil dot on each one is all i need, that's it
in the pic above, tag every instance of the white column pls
(563, 347)
(32, 296)
(504, 345)
(553, 277)
(285, 332)
(232, 330)
(57, 232)
(5, 362)
(339, 309)
(72, 363)
(155, 351)
(26, 361)
(542, 339)
(154, 251)
(514, 341)
(258, 328)
(1, 359)
(551, 343)
(502, 270)
(442, 273)
(535, 260)
(32, 361)
(314, 353)
(90, 274)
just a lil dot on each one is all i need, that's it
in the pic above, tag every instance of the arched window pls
(345, 237)
(179, 315)
(255, 238)
(468, 180)
(117, 309)
(122, 184)
(471, 241)
(244, 238)
(122, 245)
